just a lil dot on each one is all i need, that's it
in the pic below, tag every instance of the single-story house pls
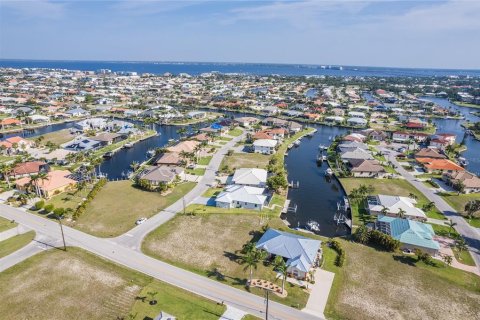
(302, 254)
(367, 168)
(57, 181)
(245, 197)
(442, 140)
(7, 122)
(107, 138)
(335, 119)
(29, 168)
(392, 205)
(411, 234)
(37, 118)
(355, 137)
(161, 174)
(16, 144)
(355, 114)
(186, 146)
(196, 114)
(431, 153)
(439, 165)
(246, 122)
(264, 146)
(351, 145)
(356, 154)
(252, 177)
(405, 136)
(77, 112)
(82, 144)
(471, 183)
(355, 121)
(169, 158)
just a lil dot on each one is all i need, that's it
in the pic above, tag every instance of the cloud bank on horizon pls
(400, 33)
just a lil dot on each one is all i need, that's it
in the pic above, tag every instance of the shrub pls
(48, 208)
(340, 259)
(59, 212)
(39, 205)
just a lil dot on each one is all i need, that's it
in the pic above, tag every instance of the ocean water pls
(195, 68)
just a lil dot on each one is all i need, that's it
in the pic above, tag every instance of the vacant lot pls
(380, 285)
(208, 244)
(6, 224)
(235, 132)
(119, 204)
(69, 199)
(58, 137)
(458, 203)
(246, 160)
(78, 285)
(394, 187)
(15, 243)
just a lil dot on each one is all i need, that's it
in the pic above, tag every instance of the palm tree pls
(135, 165)
(184, 155)
(384, 211)
(413, 196)
(34, 178)
(95, 162)
(281, 267)
(450, 225)
(429, 206)
(250, 260)
(401, 213)
(471, 207)
(5, 170)
(196, 150)
(461, 245)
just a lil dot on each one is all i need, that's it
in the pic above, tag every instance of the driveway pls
(319, 292)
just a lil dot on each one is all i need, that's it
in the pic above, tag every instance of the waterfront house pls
(366, 168)
(261, 135)
(334, 119)
(169, 158)
(245, 197)
(470, 182)
(375, 135)
(196, 114)
(275, 122)
(184, 146)
(301, 254)
(246, 122)
(25, 169)
(82, 144)
(357, 121)
(91, 124)
(411, 234)
(56, 182)
(37, 118)
(9, 122)
(270, 110)
(77, 112)
(252, 177)
(439, 165)
(442, 140)
(107, 138)
(215, 129)
(264, 146)
(161, 175)
(356, 154)
(355, 114)
(351, 145)
(15, 144)
(354, 137)
(400, 136)
(393, 206)
(430, 153)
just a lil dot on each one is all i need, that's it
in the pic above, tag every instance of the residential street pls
(471, 234)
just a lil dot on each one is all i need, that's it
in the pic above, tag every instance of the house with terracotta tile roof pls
(57, 181)
(261, 135)
(9, 122)
(26, 169)
(471, 183)
(439, 165)
(186, 146)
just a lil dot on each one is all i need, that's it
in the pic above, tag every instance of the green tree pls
(48, 208)
(450, 225)
(281, 267)
(277, 182)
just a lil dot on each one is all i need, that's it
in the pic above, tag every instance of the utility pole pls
(63, 236)
(183, 201)
(266, 307)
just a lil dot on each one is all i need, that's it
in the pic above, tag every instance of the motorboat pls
(462, 161)
(329, 172)
(297, 143)
(313, 226)
(108, 155)
(128, 145)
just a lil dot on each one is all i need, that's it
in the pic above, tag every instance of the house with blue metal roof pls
(411, 234)
(301, 254)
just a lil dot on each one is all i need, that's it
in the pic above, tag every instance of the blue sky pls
(436, 34)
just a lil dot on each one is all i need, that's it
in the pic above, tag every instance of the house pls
(366, 168)
(161, 174)
(442, 140)
(275, 122)
(29, 168)
(356, 154)
(355, 114)
(411, 234)
(245, 197)
(37, 118)
(375, 135)
(399, 136)
(56, 182)
(196, 114)
(92, 123)
(184, 146)
(357, 121)
(77, 112)
(107, 138)
(169, 158)
(252, 177)
(57, 156)
(9, 122)
(334, 119)
(264, 146)
(351, 145)
(354, 137)
(302, 254)
(439, 165)
(246, 122)
(276, 133)
(82, 144)
(215, 129)
(470, 182)
(271, 110)
(393, 205)
(430, 153)
(16, 144)
(262, 135)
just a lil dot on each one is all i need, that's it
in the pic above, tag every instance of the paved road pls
(133, 238)
(471, 235)
(136, 260)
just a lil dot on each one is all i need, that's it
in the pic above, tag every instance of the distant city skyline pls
(409, 34)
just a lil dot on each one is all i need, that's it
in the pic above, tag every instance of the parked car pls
(140, 221)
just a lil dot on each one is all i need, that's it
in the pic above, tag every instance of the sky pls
(418, 34)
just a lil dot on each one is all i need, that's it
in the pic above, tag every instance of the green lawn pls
(196, 171)
(245, 160)
(79, 285)
(428, 292)
(69, 199)
(394, 187)
(119, 204)
(6, 224)
(4, 159)
(15, 243)
(444, 231)
(212, 192)
(57, 137)
(202, 209)
(208, 244)
(235, 132)
(224, 138)
(458, 203)
(204, 160)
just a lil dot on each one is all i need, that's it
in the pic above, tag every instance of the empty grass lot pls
(69, 199)
(379, 285)
(246, 160)
(208, 244)
(57, 137)
(196, 171)
(78, 285)
(235, 132)
(6, 224)
(458, 203)
(394, 187)
(15, 243)
(119, 204)
(204, 160)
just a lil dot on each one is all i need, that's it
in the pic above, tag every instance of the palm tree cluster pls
(358, 194)
(472, 208)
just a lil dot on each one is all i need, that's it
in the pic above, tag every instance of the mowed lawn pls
(209, 244)
(119, 204)
(6, 224)
(78, 285)
(246, 160)
(393, 187)
(15, 243)
(458, 203)
(380, 285)
(58, 137)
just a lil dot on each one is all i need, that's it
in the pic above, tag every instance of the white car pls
(140, 221)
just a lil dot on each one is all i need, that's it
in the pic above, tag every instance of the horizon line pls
(235, 63)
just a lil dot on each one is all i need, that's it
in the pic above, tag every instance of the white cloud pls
(146, 7)
(35, 9)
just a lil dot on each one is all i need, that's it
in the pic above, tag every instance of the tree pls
(59, 213)
(48, 208)
(277, 182)
(450, 225)
(281, 267)
(135, 165)
(461, 245)
(472, 207)
(447, 259)
(39, 205)
(412, 196)
(362, 235)
(5, 171)
(251, 260)
(429, 206)
(401, 213)
(384, 211)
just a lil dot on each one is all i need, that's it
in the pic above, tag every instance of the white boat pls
(297, 143)
(313, 226)
(462, 161)
(324, 158)
(150, 153)
(329, 172)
